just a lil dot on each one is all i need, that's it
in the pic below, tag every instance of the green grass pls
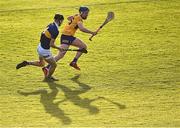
(133, 63)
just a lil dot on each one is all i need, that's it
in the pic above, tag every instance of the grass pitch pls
(130, 77)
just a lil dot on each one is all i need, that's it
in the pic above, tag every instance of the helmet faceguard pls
(83, 9)
(84, 12)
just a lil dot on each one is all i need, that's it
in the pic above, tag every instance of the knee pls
(84, 46)
(53, 65)
(60, 55)
(41, 64)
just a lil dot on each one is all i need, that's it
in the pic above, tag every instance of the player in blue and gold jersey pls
(68, 38)
(47, 40)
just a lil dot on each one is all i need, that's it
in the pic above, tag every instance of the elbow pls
(81, 29)
(51, 45)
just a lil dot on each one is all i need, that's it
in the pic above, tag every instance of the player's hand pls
(94, 33)
(61, 49)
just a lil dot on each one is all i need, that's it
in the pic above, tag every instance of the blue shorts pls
(65, 39)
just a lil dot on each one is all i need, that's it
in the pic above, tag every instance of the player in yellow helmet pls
(68, 38)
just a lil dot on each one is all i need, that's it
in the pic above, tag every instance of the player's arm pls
(70, 18)
(83, 29)
(52, 44)
(53, 38)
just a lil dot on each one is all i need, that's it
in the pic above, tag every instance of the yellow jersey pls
(72, 26)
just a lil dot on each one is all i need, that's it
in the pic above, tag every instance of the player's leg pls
(47, 56)
(65, 43)
(61, 54)
(51, 61)
(42, 53)
(81, 45)
(39, 63)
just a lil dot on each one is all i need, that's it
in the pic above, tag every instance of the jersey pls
(51, 32)
(72, 26)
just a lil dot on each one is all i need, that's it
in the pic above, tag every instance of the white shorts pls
(45, 53)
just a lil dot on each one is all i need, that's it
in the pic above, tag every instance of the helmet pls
(83, 9)
(58, 17)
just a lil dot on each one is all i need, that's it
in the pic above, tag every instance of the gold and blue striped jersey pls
(51, 32)
(72, 26)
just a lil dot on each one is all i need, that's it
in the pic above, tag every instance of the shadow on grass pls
(51, 107)
(47, 100)
(73, 95)
(85, 88)
(120, 106)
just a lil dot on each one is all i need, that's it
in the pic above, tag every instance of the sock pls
(48, 66)
(75, 60)
(29, 63)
